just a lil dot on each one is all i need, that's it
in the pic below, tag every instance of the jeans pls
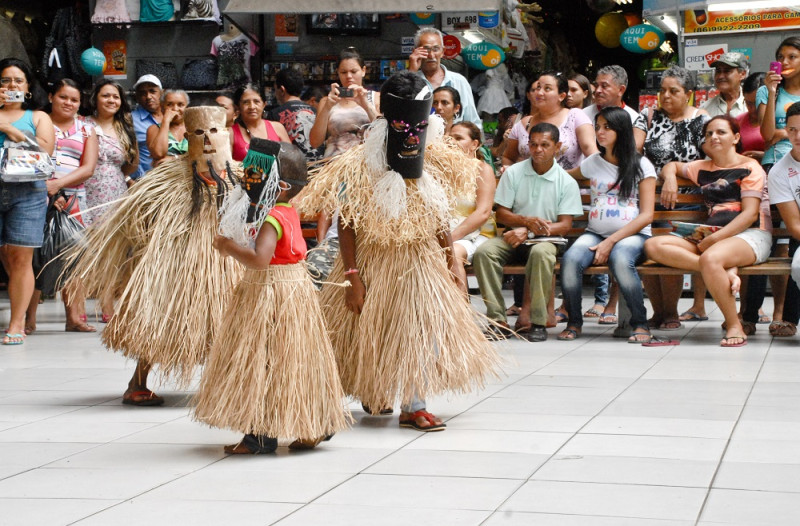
(601, 283)
(622, 262)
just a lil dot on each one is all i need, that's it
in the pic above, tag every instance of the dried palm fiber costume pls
(416, 335)
(273, 373)
(154, 252)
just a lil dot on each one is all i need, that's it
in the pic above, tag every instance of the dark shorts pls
(23, 207)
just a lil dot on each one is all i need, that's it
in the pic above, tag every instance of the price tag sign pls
(459, 21)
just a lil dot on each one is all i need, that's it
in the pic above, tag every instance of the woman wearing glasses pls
(22, 205)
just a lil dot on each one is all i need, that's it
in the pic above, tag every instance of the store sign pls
(702, 21)
(459, 21)
(643, 38)
(700, 57)
(483, 55)
(423, 19)
(452, 46)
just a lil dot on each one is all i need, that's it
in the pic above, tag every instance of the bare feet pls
(736, 281)
(78, 327)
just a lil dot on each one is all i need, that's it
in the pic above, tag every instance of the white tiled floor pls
(593, 432)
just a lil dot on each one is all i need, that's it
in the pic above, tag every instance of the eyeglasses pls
(432, 49)
(5, 81)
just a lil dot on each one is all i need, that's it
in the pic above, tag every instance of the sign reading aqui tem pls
(483, 55)
(779, 18)
(642, 38)
(459, 21)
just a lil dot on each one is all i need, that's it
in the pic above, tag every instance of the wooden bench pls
(774, 266)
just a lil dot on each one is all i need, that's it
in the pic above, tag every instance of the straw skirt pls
(272, 371)
(416, 334)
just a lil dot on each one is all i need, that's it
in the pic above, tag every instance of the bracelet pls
(351, 271)
(128, 179)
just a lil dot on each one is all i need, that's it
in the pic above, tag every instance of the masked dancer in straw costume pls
(272, 373)
(153, 253)
(401, 327)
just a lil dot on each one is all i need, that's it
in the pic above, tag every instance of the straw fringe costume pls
(415, 336)
(271, 370)
(155, 254)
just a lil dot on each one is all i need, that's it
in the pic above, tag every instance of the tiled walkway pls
(583, 433)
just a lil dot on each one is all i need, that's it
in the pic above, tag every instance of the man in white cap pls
(730, 70)
(148, 112)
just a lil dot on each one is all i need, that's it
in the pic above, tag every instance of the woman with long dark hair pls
(251, 122)
(22, 205)
(623, 198)
(732, 186)
(447, 105)
(118, 157)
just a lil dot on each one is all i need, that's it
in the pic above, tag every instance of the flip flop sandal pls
(13, 339)
(726, 341)
(383, 412)
(411, 421)
(151, 399)
(592, 313)
(82, 327)
(567, 335)
(646, 337)
(763, 319)
(655, 341)
(307, 443)
(692, 316)
(607, 319)
(782, 329)
(253, 445)
(561, 317)
(670, 325)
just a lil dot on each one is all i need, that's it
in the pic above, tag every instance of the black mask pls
(406, 131)
(257, 165)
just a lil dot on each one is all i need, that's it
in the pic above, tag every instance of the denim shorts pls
(23, 207)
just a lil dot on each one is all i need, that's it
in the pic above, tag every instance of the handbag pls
(199, 74)
(24, 162)
(164, 71)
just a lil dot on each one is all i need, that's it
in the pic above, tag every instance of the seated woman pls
(623, 198)
(167, 140)
(732, 186)
(475, 224)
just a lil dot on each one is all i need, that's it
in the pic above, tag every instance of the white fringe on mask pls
(375, 147)
(435, 129)
(390, 194)
(434, 194)
(233, 212)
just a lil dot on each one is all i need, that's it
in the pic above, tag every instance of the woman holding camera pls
(347, 109)
(22, 205)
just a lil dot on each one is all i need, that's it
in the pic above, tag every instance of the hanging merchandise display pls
(156, 11)
(233, 51)
(110, 12)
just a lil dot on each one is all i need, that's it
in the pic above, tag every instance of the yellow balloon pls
(609, 28)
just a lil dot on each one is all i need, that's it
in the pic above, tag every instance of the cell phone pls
(346, 92)
(775, 67)
(15, 96)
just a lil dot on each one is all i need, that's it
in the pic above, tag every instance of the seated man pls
(534, 198)
(784, 192)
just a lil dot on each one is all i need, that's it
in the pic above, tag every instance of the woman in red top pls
(733, 188)
(251, 123)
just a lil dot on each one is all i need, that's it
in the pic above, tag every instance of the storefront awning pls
(658, 7)
(358, 6)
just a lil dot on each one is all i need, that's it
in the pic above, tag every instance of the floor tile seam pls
(555, 453)
(630, 484)
(730, 436)
(782, 492)
(549, 513)
(157, 486)
(431, 476)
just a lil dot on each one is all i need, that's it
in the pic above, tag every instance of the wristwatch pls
(531, 235)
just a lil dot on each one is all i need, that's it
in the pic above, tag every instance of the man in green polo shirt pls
(534, 198)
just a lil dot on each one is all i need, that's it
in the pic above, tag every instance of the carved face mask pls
(406, 132)
(209, 140)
